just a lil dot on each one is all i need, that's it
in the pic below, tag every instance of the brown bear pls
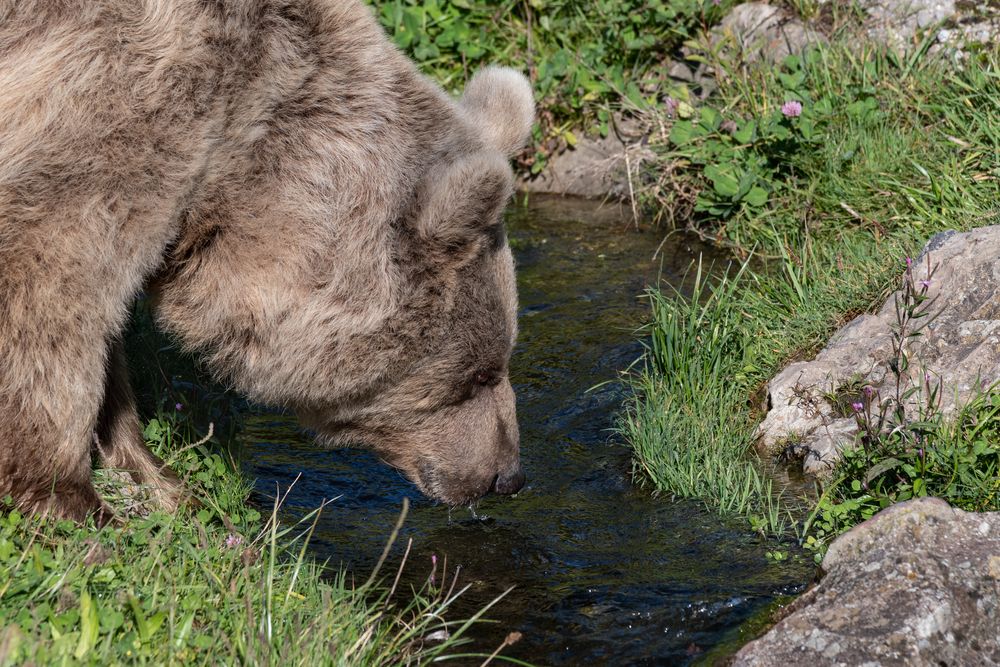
(316, 219)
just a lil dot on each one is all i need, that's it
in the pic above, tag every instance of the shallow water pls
(604, 573)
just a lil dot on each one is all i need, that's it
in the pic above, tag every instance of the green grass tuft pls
(216, 585)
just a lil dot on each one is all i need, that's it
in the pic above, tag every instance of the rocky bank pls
(917, 584)
(958, 350)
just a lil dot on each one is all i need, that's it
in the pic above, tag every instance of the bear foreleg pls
(119, 440)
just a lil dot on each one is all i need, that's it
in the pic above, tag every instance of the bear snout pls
(509, 483)
(462, 487)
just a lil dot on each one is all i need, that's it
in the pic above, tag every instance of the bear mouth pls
(428, 480)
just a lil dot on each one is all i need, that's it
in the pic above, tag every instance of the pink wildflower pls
(792, 109)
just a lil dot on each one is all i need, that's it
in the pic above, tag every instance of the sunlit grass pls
(216, 585)
(829, 245)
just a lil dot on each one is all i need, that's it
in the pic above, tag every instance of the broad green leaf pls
(634, 95)
(746, 134)
(881, 468)
(724, 183)
(792, 62)
(757, 196)
(807, 128)
(792, 81)
(710, 118)
(681, 133)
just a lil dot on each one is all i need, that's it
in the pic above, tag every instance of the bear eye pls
(487, 378)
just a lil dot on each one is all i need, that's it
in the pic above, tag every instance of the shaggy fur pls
(314, 217)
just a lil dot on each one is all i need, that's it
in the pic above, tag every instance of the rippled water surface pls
(604, 573)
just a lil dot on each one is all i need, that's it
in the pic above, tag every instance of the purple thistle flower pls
(792, 109)
(858, 407)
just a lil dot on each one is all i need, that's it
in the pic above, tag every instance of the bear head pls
(446, 418)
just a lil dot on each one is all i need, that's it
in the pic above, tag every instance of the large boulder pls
(595, 169)
(960, 349)
(917, 584)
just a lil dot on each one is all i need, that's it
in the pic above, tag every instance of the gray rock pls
(898, 22)
(960, 348)
(681, 71)
(597, 167)
(974, 26)
(765, 32)
(593, 169)
(917, 584)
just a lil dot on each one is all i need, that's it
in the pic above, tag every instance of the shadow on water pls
(604, 573)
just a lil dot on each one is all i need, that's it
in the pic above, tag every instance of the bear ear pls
(464, 199)
(500, 102)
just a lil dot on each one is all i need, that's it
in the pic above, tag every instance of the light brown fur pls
(312, 215)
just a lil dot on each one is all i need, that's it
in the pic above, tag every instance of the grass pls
(886, 152)
(956, 458)
(583, 59)
(694, 344)
(220, 585)
(907, 447)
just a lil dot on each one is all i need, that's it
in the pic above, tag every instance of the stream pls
(603, 571)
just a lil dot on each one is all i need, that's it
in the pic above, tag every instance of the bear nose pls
(509, 483)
